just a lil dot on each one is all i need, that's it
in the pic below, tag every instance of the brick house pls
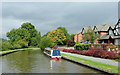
(101, 30)
(78, 36)
(108, 33)
(113, 35)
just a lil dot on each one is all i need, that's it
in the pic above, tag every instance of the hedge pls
(82, 46)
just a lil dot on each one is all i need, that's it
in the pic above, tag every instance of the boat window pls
(56, 53)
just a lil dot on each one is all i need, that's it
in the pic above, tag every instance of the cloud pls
(48, 16)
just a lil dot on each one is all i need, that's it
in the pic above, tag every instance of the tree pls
(63, 29)
(26, 32)
(90, 36)
(72, 36)
(46, 42)
(58, 36)
(65, 33)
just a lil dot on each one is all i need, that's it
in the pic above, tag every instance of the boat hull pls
(52, 57)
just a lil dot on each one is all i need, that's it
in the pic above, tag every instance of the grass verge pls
(9, 51)
(93, 63)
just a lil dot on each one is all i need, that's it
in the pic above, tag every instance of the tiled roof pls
(104, 27)
(86, 28)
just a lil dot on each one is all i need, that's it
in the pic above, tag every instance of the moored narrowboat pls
(52, 53)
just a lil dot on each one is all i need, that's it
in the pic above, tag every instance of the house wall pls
(102, 33)
(117, 42)
(75, 38)
(78, 37)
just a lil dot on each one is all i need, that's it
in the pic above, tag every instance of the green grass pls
(8, 51)
(93, 63)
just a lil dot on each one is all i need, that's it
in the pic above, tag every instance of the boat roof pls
(48, 48)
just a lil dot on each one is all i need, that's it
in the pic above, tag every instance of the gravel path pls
(105, 61)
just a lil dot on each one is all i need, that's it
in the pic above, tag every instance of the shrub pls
(95, 53)
(6, 45)
(99, 53)
(70, 43)
(109, 55)
(82, 46)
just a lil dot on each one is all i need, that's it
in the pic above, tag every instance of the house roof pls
(104, 27)
(85, 29)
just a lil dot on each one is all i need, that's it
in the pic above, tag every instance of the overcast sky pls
(46, 16)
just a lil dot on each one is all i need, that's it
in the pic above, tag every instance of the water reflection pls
(36, 62)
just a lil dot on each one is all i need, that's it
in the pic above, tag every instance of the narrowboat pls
(52, 53)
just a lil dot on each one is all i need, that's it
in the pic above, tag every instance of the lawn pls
(95, 64)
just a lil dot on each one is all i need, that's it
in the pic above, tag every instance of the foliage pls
(64, 30)
(72, 36)
(46, 42)
(6, 45)
(90, 35)
(58, 36)
(26, 32)
(70, 43)
(68, 37)
(95, 53)
(22, 43)
(82, 46)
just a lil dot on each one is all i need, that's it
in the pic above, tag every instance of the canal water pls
(34, 61)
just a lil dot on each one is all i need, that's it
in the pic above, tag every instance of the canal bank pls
(92, 64)
(11, 51)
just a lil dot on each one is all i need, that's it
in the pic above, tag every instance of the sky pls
(46, 16)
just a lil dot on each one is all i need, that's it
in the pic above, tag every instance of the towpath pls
(101, 60)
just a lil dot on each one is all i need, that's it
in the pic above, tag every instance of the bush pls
(82, 46)
(46, 42)
(95, 53)
(6, 45)
(70, 43)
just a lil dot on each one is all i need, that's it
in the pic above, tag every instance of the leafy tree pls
(22, 43)
(34, 41)
(58, 36)
(65, 33)
(26, 32)
(72, 36)
(64, 30)
(46, 42)
(90, 36)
